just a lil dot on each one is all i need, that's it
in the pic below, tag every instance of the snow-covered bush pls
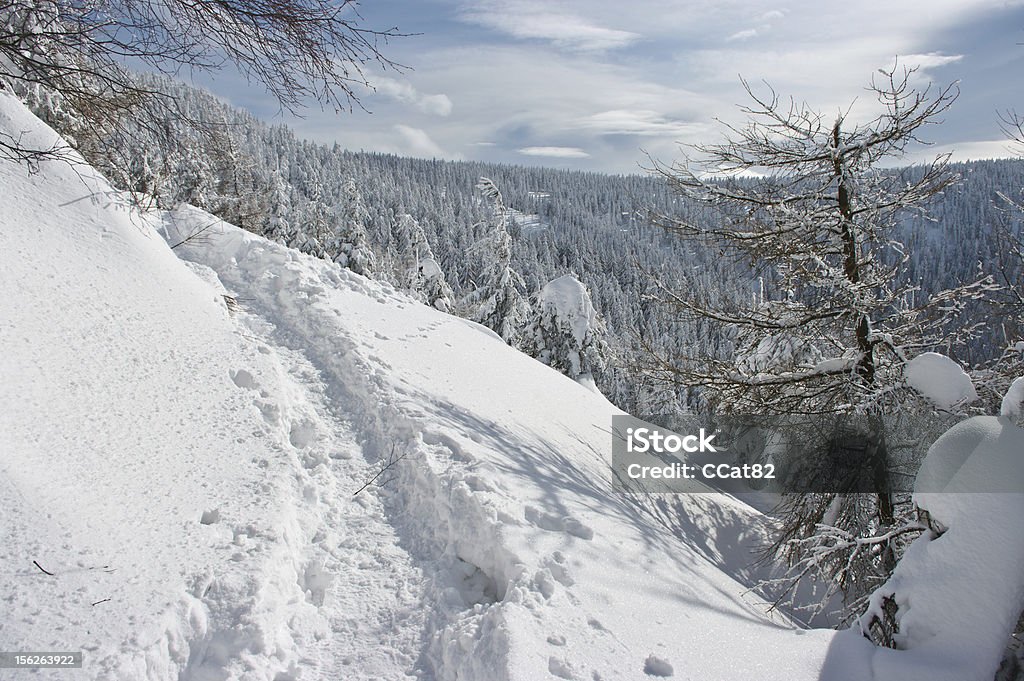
(566, 332)
(958, 591)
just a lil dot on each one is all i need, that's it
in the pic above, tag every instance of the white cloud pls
(968, 151)
(532, 20)
(633, 122)
(930, 60)
(418, 142)
(555, 152)
(403, 91)
(742, 35)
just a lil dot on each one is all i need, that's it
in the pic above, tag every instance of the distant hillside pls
(594, 226)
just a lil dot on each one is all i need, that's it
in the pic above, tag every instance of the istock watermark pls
(653, 439)
(793, 453)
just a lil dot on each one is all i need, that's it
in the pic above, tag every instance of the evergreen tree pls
(421, 273)
(280, 227)
(349, 245)
(566, 332)
(498, 301)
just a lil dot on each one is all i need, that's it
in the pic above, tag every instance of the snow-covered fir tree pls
(421, 275)
(498, 301)
(280, 227)
(349, 246)
(566, 332)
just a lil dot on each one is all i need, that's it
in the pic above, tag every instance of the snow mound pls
(567, 299)
(1013, 400)
(940, 379)
(960, 590)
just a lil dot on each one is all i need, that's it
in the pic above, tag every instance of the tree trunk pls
(866, 364)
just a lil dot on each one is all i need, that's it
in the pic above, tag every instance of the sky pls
(600, 84)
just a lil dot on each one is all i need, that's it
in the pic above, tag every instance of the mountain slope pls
(208, 458)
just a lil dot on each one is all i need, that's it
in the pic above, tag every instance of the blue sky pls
(593, 84)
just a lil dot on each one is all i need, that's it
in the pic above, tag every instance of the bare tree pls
(81, 50)
(803, 200)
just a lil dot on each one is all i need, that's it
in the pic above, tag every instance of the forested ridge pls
(261, 176)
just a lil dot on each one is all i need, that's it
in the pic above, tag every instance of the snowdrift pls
(958, 593)
(182, 433)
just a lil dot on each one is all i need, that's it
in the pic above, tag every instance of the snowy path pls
(357, 574)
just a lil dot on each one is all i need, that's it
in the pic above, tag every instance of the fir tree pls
(498, 300)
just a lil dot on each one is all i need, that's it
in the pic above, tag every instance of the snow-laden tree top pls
(567, 298)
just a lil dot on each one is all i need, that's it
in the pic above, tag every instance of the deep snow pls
(959, 590)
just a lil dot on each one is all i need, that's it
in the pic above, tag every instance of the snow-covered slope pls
(196, 466)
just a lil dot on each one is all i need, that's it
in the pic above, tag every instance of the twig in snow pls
(385, 466)
(45, 572)
(196, 234)
(103, 601)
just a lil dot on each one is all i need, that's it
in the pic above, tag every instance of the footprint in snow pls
(554, 523)
(314, 582)
(656, 666)
(243, 379)
(302, 433)
(559, 571)
(560, 668)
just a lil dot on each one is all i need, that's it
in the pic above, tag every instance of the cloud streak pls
(531, 20)
(633, 122)
(402, 91)
(554, 152)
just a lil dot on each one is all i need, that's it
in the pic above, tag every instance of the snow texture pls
(940, 379)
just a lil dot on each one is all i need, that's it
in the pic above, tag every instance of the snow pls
(959, 594)
(833, 365)
(940, 379)
(1013, 400)
(166, 467)
(507, 493)
(567, 299)
(429, 268)
(196, 466)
